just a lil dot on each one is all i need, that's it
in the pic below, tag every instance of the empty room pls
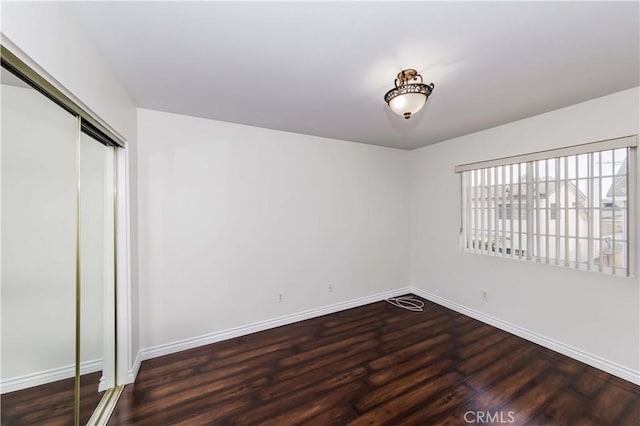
(320, 213)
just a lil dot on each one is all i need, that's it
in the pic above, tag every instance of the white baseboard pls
(13, 384)
(133, 371)
(102, 384)
(575, 353)
(218, 336)
(570, 351)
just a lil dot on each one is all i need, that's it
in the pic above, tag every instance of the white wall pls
(49, 36)
(232, 215)
(592, 312)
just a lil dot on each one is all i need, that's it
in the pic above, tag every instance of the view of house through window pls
(571, 210)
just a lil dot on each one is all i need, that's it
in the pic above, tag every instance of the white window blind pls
(572, 207)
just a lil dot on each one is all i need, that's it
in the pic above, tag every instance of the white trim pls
(124, 333)
(13, 384)
(103, 384)
(133, 371)
(570, 351)
(108, 379)
(632, 211)
(218, 336)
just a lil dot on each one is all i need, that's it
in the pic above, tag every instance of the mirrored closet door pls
(58, 261)
(38, 151)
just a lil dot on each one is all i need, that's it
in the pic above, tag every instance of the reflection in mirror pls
(38, 288)
(97, 269)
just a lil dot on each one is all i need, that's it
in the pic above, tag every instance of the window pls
(569, 207)
(507, 211)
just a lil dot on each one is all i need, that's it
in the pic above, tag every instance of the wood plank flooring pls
(51, 404)
(376, 365)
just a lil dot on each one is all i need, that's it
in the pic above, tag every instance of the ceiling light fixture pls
(408, 98)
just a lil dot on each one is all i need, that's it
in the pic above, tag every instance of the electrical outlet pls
(484, 294)
(330, 288)
(280, 297)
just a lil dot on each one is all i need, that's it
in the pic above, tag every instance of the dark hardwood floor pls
(51, 404)
(376, 364)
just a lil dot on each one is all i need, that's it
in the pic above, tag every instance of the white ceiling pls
(323, 68)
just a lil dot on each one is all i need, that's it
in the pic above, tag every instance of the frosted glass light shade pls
(407, 104)
(408, 98)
